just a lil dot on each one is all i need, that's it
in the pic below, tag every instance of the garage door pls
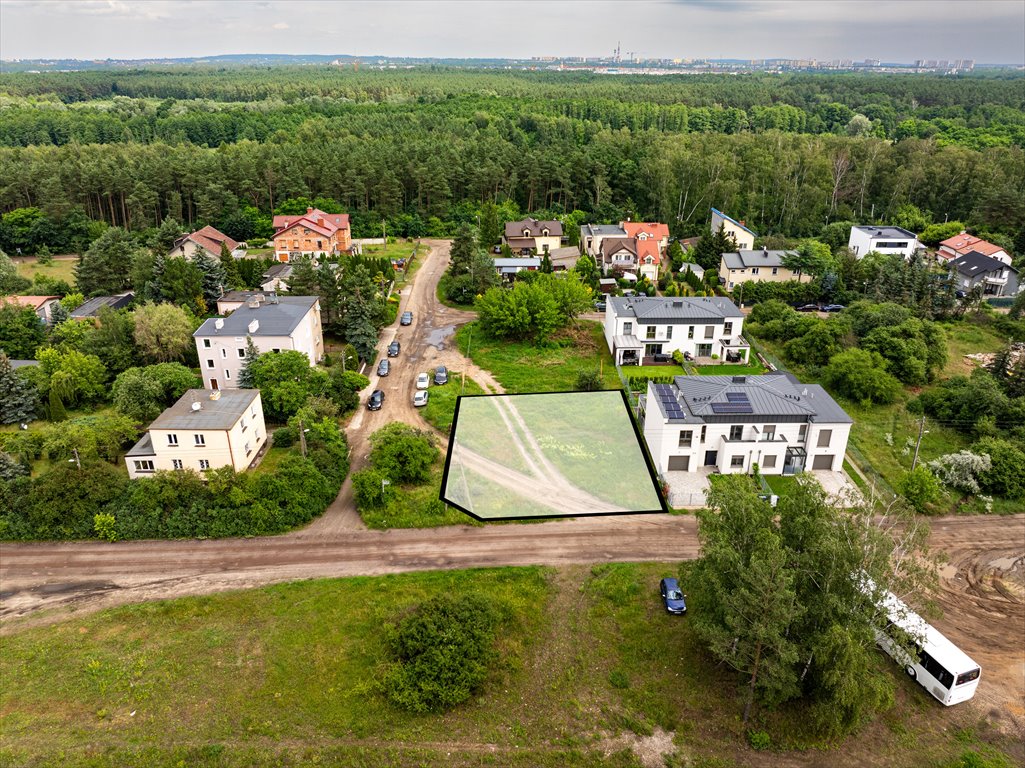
(681, 463)
(823, 462)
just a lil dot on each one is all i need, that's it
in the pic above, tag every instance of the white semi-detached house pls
(275, 323)
(730, 423)
(640, 327)
(888, 240)
(205, 429)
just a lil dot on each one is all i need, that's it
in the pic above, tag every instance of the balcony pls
(758, 438)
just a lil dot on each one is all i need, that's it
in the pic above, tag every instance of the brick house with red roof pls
(963, 244)
(207, 240)
(311, 233)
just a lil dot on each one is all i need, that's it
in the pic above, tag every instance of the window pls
(227, 373)
(709, 331)
(650, 333)
(204, 464)
(248, 449)
(768, 462)
(209, 363)
(172, 439)
(824, 437)
(727, 328)
(244, 427)
(320, 244)
(206, 343)
(775, 270)
(769, 431)
(754, 270)
(177, 464)
(737, 461)
(967, 677)
(143, 465)
(241, 352)
(686, 436)
(224, 353)
(802, 433)
(200, 440)
(934, 668)
(252, 411)
(669, 331)
(736, 432)
(628, 328)
(690, 332)
(703, 428)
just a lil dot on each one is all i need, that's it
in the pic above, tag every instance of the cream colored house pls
(205, 429)
(532, 236)
(743, 236)
(756, 267)
(275, 323)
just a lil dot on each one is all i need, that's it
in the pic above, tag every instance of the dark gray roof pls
(675, 309)
(282, 270)
(142, 448)
(772, 395)
(974, 263)
(221, 413)
(761, 258)
(514, 229)
(606, 230)
(886, 232)
(92, 307)
(278, 319)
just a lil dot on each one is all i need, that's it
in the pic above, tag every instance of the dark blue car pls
(673, 597)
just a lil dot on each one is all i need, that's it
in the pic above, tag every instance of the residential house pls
(92, 307)
(41, 305)
(630, 248)
(207, 240)
(757, 267)
(638, 327)
(729, 424)
(648, 231)
(508, 268)
(697, 269)
(743, 236)
(311, 234)
(531, 236)
(592, 235)
(275, 323)
(276, 278)
(963, 244)
(995, 277)
(618, 256)
(205, 429)
(889, 240)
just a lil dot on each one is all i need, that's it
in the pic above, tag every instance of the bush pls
(589, 381)
(442, 651)
(284, 437)
(759, 740)
(369, 490)
(403, 454)
(861, 376)
(919, 487)
(1006, 475)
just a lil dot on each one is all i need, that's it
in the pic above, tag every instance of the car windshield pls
(674, 594)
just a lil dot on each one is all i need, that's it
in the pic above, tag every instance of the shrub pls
(589, 381)
(861, 376)
(919, 487)
(369, 489)
(1006, 475)
(284, 437)
(759, 740)
(105, 526)
(442, 651)
(403, 454)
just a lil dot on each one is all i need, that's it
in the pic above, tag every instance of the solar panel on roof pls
(724, 408)
(737, 397)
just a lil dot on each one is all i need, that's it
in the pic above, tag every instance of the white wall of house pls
(745, 240)
(235, 447)
(685, 337)
(862, 243)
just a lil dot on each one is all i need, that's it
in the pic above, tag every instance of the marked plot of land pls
(565, 454)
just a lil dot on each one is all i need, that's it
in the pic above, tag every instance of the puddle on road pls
(437, 337)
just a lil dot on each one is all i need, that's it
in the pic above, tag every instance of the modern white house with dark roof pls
(756, 267)
(882, 239)
(995, 277)
(637, 327)
(728, 424)
(205, 429)
(275, 323)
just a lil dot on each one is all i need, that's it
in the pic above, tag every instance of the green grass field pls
(441, 402)
(60, 269)
(417, 506)
(588, 664)
(525, 368)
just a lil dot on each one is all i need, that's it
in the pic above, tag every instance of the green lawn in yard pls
(730, 369)
(441, 401)
(272, 460)
(60, 269)
(781, 485)
(399, 249)
(287, 675)
(646, 371)
(523, 367)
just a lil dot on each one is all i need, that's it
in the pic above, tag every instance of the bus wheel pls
(911, 671)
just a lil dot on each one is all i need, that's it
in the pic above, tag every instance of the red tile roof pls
(322, 223)
(652, 229)
(35, 302)
(209, 239)
(965, 243)
(648, 247)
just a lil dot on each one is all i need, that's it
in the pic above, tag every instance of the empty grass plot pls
(563, 454)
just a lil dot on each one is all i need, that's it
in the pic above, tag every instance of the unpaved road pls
(983, 587)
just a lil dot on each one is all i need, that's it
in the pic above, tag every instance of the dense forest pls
(424, 148)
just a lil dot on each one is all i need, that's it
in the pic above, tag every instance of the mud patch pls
(650, 750)
(438, 337)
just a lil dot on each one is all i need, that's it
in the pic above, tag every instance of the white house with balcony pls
(275, 323)
(888, 240)
(728, 424)
(995, 277)
(638, 327)
(205, 429)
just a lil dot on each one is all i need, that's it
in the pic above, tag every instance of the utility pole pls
(921, 431)
(78, 461)
(302, 438)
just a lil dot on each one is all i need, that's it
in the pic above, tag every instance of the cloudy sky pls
(990, 31)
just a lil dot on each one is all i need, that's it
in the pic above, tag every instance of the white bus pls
(943, 669)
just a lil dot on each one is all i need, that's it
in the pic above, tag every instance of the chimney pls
(309, 210)
(252, 302)
(196, 405)
(215, 394)
(765, 251)
(254, 326)
(219, 323)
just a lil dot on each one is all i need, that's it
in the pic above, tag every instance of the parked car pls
(834, 308)
(423, 381)
(420, 398)
(393, 349)
(376, 400)
(406, 319)
(673, 598)
(441, 375)
(808, 308)
(959, 294)
(600, 306)
(384, 367)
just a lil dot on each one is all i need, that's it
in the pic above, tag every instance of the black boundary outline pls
(652, 473)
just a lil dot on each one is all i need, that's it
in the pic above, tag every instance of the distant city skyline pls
(987, 31)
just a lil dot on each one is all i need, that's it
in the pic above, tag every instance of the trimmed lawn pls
(587, 661)
(60, 269)
(399, 249)
(272, 460)
(780, 485)
(648, 371)
(441, 402)
(522, 367)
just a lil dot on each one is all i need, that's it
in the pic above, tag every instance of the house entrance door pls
(710, 458)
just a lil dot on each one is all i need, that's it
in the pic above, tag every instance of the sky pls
(989, 31)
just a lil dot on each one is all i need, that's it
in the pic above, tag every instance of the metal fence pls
(681, 500)
(860, 462)
(771, 361)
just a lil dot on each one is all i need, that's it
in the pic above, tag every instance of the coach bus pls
(943, 669)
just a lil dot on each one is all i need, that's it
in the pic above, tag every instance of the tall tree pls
(106, 267)
(491, 227)
(20, 331)
(19, 399)
(246, 379)
(163, 333)
(229, 268)
(463, 248)
(214, 281)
